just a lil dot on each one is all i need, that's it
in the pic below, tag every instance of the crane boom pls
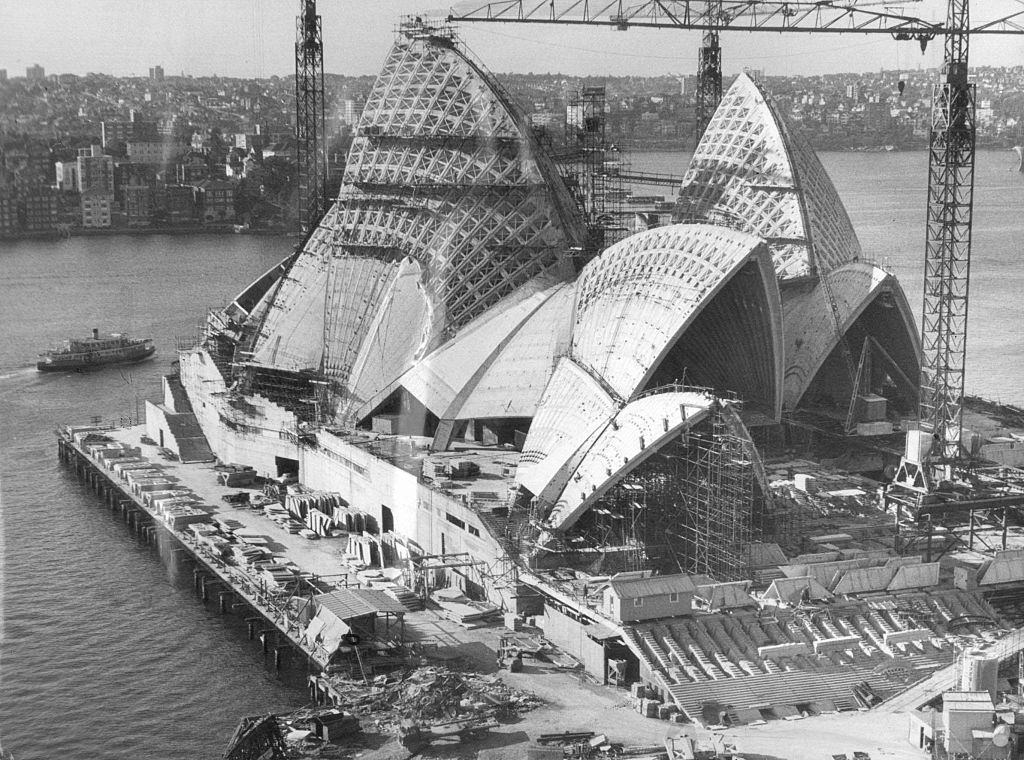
(843, 17)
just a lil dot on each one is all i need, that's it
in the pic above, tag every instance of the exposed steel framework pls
(591, 173)
(309, 116)
(948, 246)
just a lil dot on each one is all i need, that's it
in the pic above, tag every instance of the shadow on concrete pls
(479, 743)
(480, 655)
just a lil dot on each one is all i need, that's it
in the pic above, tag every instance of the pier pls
(268, 614)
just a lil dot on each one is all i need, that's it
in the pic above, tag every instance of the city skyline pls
(255, 38)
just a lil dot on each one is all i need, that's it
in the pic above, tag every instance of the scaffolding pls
(692, 507)
(591, 170)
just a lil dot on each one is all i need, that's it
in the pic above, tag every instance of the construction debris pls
(428, 697)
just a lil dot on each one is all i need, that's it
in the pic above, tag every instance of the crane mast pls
(309, 116)
(709, 71)
(934, 449)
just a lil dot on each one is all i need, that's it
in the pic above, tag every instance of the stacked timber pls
(462, 610)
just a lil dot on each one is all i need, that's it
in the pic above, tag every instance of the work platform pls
(272, 618)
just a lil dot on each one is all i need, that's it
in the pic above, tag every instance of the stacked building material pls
(404, 596)
(299, 503)
(180, 516)
(460, 609)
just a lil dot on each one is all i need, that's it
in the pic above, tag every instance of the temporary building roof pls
(796, 590)
(631, 588)
(724, 596)
(864, 580)
(915, 576)
(352, 603)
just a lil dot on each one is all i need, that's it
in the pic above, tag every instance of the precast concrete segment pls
(573, 411)
(440, 377)
(751, 173)
(636, 300)
(636, 432)
(443, 170)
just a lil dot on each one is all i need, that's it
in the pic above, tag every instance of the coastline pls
(217, 229)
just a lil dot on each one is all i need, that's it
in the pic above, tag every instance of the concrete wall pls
(256, 446)
(156, 425)
(570, 636)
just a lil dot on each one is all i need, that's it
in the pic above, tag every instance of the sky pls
(255, 38)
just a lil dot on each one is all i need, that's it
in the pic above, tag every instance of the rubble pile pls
(432, 694)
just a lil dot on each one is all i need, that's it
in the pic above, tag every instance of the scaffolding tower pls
(592, 170)
(692, 507)
(717, 488)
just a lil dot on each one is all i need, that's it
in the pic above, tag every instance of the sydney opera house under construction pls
(613, 437)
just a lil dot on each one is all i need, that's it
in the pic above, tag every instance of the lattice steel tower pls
(709, 71)
(309, 116)
(948, 246)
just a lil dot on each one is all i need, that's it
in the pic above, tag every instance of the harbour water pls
(105, 652)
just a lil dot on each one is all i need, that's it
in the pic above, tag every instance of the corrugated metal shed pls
(352, 603)
(631, 588)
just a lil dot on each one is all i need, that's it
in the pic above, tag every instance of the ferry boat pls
(86, 353)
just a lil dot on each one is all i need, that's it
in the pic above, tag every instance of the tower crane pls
(934, 450)
(310, 141)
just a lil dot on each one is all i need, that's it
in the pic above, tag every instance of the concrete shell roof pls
(637, 298)
(457, 372)
(810, 325)
(635, 433)
(573, 410)
(751, 173)
(445, 171)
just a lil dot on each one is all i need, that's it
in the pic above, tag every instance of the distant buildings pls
(157, 152)
(8, 215)
(96, 205)
(67, 176)
(40, 209)
(35, 73)
(95, 170)
(156, 73)
(3, 76)
(215, 201)
(117, 134)
(138, 205)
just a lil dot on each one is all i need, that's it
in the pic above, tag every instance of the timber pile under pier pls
(269, 615)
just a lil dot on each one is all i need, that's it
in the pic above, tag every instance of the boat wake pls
(1020, 158)
(20, 372)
